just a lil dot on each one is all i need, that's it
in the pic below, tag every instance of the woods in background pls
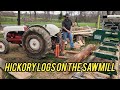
(80, 16)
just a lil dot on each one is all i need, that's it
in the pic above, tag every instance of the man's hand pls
(69, 31)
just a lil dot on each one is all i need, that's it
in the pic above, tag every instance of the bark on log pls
(82, 55)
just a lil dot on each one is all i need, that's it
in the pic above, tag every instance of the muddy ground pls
(17, 54)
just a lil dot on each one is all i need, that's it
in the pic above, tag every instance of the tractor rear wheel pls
(4, 46)
(36, 42)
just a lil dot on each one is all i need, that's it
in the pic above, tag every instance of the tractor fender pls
(40, 27)
(50, 28)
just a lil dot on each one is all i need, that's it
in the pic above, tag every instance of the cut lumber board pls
(115, 77)
(90, 75)
(102, 75)
(21, 75)
(1, 73)
(72, 52)
(2, 63)
(17, 75)
(82, 33)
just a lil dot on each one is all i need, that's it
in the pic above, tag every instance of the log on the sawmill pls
(83, 54)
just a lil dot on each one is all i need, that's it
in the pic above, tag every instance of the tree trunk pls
(52, 15)
(18, 18)
(108, 12)
(0, 20)
(113, 12)
(35, 14)
(45, 15)
(48, 15)
(30, 14)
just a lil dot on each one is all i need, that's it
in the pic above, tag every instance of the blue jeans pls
(68, 35)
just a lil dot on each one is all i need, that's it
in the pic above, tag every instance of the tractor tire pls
(4, 46)
(36, 42)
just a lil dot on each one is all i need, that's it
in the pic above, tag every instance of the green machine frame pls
(109, 42)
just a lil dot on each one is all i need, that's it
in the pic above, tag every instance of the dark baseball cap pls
(66, 15)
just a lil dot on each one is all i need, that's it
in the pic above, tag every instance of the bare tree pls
(35, 14)
(0, 19)
(113, 12)
(30, 13)
(80, 14)
(45, 14)
(67, 11)
(48, 15)
(18, 18)
(52, 14)
(108, 12)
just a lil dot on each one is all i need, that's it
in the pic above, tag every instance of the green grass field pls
(13, 21)
(43, 23)
(1, 35)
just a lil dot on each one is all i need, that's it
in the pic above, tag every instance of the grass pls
(17, 54)
(1, 35)
(13, 21)
(87, 24)
(91, 41)
(43, 23)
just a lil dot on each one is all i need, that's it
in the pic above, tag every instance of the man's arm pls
(71, 27)
(65, 29)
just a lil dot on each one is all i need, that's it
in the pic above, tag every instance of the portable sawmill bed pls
(106, 52)
(95, 75)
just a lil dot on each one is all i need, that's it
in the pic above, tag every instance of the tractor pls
(36, 40)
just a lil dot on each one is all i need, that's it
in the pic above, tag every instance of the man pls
(66, 28)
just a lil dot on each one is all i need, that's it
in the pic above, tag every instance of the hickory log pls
(82, 55)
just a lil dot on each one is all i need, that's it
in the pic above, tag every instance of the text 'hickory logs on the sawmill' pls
(59, 67)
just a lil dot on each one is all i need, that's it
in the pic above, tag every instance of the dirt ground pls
(17, 54)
